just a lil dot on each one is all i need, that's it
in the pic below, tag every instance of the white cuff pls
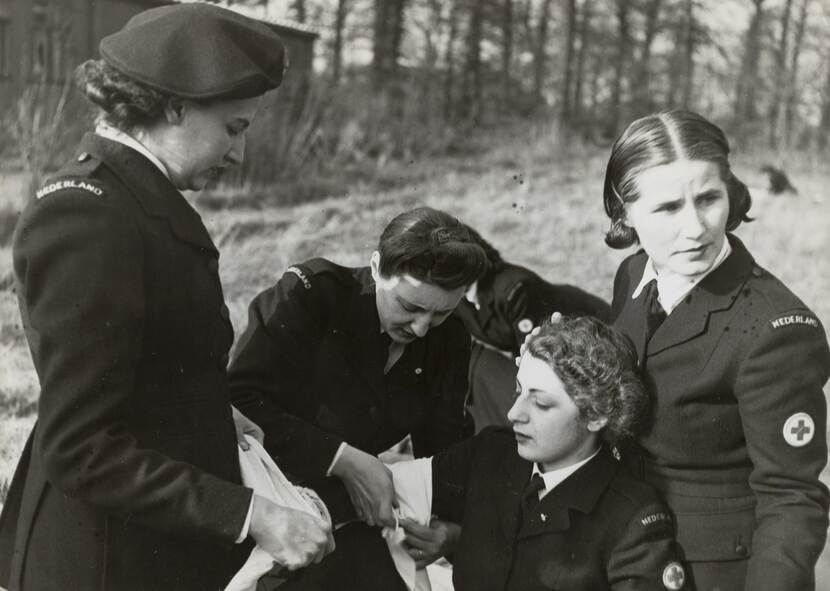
(337, 455)
(247, 525)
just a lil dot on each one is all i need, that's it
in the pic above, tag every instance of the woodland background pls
(499, 111)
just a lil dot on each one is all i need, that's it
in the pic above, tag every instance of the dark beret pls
(197, 51)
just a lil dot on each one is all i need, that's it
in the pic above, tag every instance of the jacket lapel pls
(361, 329)
(718, 291)
(579, 492)
(515, 473)
(154, 191)
(632, 317)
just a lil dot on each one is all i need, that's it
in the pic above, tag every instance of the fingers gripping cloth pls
(260, 473)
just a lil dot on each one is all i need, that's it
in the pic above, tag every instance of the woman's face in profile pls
(680, 215)
(547, 424)
(207, 140)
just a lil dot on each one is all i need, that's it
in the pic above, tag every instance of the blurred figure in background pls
(499, 310)
(734, 361)
(130, 479)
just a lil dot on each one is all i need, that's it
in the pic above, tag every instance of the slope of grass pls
(535, 197)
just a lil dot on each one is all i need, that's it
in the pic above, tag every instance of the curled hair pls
(663, 138)
(494, 260)
(598, 367)
(123, 102)
(432, 246)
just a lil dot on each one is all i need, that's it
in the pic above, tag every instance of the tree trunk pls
(300, 10)
(824, 125)
(339, 26)
(644, 100)
(579, 75)
(779, 75)
(689, 38)
(623, 46)
(507, 52)
(449, 60)
(388, 34)
(471, 101)
(540, 53)
(792, 93)
(746, 110)
(570, 39)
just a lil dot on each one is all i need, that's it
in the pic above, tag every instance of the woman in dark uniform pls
(734, 361)
(499, 310)
(130, 479)
(338, 364)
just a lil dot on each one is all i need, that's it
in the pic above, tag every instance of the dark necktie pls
(655, 314)
(530, 496)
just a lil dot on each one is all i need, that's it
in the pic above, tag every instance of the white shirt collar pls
(671, 287)
(556, 477)
(471, 295)
(116, 135)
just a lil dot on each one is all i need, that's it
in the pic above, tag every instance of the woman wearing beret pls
(734, 361)
(338, 364)
(130, 478)
(499, 310)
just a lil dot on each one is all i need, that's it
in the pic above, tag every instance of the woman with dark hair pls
(338, 364)
(499, 310)
(131, 478)
(547, 505)
(735, 363)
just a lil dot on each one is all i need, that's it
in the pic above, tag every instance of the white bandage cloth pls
(413, 489)
(260, 473)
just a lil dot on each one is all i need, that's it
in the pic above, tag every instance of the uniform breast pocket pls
(718, 535)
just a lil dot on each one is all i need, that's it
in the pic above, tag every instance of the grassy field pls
(535, 197)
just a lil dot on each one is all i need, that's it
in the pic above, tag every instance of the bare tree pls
(641, 87)
(779, 76)
(507, 50)
(388, 33)
(471, 96)
(824, 124)
(746, 109)
(570, 40)
(299, 9)
(339, 25)
(540, 51)
(584, 42)
(449, 59)
(792, 84)
(689, 47)
(623, 48)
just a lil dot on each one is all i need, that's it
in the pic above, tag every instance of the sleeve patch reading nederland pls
(674, 576)
(69, 184)
(657, 517)
(525, 325)
(794, 319)
(301, 275)
(799, 429)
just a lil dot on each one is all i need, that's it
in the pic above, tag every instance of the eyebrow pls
(402, 300)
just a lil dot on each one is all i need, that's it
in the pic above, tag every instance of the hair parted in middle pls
(431, 246)
(598, 367)
(663, 138)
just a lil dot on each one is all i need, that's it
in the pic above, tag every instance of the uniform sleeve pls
(645, 556)
(79, 262)
(271, 370)
(450, 473)
(783, 411)
(520, 310)
(447, 421)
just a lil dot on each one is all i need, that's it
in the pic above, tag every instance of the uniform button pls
(213, 265)
(224, 312)
(756, 272)
(223, 361)
(741, 550)
(83, 156)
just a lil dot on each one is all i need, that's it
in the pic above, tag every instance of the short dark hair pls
(598, 367)
(663, 138)
(122, 102)
(432, 246)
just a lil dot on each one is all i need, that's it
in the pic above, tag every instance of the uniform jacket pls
(309, 371)
(512, 300)
(599, 529)
(127, 481)
(729, 371)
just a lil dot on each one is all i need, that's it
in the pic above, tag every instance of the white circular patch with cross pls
(525, 325)
(799, 429)
(674, 576)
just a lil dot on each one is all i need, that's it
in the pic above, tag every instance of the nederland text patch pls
(69, 184)
(790, 319)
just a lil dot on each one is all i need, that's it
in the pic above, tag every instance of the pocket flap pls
(716, 536)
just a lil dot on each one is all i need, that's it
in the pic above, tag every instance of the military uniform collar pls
(150, 187)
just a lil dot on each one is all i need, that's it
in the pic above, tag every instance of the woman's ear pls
(174, 110)
(596, 425)
(374, 265)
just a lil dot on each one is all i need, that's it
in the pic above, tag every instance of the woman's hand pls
(369, 484)
(555, 318)
(245, 426)
(428, 543)
(293, 538)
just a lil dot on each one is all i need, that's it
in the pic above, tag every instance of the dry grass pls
(534, 196)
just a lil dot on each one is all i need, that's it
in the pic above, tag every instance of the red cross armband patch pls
(674, 577)
(799, 429)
